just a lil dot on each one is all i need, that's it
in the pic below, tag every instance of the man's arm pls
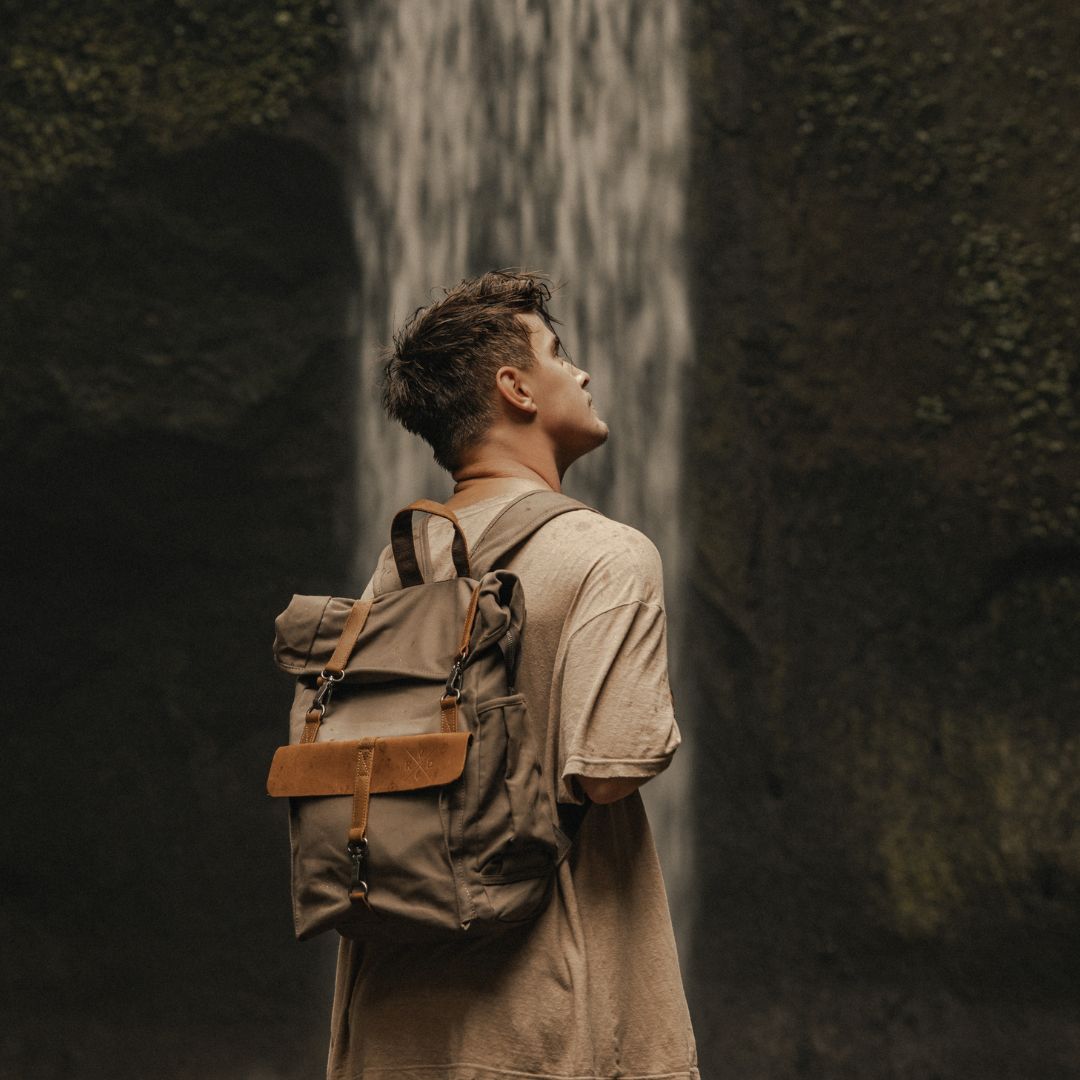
(616, 721)
(609, 789)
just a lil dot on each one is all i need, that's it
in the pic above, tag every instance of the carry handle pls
(401, 541)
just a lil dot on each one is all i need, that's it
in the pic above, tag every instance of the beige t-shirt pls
(591, 990)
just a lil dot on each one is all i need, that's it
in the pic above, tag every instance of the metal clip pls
(453, 682)
(358, 850)
(322, 696)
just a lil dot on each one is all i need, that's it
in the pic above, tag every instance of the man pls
(591, 990)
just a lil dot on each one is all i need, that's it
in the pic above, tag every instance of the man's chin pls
(596, 438)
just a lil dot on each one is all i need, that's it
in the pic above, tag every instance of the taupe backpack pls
(417, 803)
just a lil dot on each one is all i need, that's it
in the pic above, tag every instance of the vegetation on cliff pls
(171, 227)
(176, 260)
(84, 82)
(889, 252)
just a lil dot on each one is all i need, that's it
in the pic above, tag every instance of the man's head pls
(446, 377)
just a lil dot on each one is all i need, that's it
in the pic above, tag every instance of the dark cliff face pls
(176, 421)
(883, 515)
(885, 523)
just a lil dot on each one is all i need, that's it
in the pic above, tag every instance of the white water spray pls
(552, 136)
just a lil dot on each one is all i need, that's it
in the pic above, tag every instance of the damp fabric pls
(591, 989)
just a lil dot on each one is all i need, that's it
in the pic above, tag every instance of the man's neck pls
(491, 477)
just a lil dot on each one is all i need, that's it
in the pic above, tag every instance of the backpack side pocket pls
(518, 877)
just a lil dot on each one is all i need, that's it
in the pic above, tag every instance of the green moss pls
(884, 251)
(1018, 364)
(861, 101)
(85, 80)
(966, 809)
(931, 410)
(955, 121)
(921, 881)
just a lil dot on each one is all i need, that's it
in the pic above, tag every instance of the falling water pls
(547, 134)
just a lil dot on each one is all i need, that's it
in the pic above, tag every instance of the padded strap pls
(401, 542)
(516, 523)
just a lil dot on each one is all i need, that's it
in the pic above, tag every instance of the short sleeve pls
(616, 717)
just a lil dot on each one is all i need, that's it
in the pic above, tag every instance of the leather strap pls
(448, 714)
(365, 759)
(401, 542)
(354, 624)
(470, 619)
(358, 845)
(448, 705)
(335, 666)
(312, 723)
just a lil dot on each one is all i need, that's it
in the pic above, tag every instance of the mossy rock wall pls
(886, 501)
(177, 415)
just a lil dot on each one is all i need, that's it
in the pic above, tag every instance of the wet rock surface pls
(177, 421)
(883, 511)
(883, 434)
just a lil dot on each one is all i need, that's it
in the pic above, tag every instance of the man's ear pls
(514, 388)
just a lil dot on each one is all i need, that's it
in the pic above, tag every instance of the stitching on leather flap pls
(401, 763)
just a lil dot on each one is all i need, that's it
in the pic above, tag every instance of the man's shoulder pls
(589, 547)
(601, 535)
(576, 548)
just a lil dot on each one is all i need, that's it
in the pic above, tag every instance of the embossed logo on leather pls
(420, 765)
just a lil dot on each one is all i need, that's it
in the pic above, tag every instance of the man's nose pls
(583, 377)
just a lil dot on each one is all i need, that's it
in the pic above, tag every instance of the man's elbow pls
(609, 789)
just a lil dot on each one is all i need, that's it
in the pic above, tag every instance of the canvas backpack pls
(418, 806)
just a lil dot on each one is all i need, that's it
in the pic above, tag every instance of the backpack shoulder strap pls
(515, 523)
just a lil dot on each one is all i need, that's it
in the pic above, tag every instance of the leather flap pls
(401, 763)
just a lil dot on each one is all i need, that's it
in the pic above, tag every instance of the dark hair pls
(439, 378)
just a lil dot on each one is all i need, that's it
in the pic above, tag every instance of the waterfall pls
(551, 135)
